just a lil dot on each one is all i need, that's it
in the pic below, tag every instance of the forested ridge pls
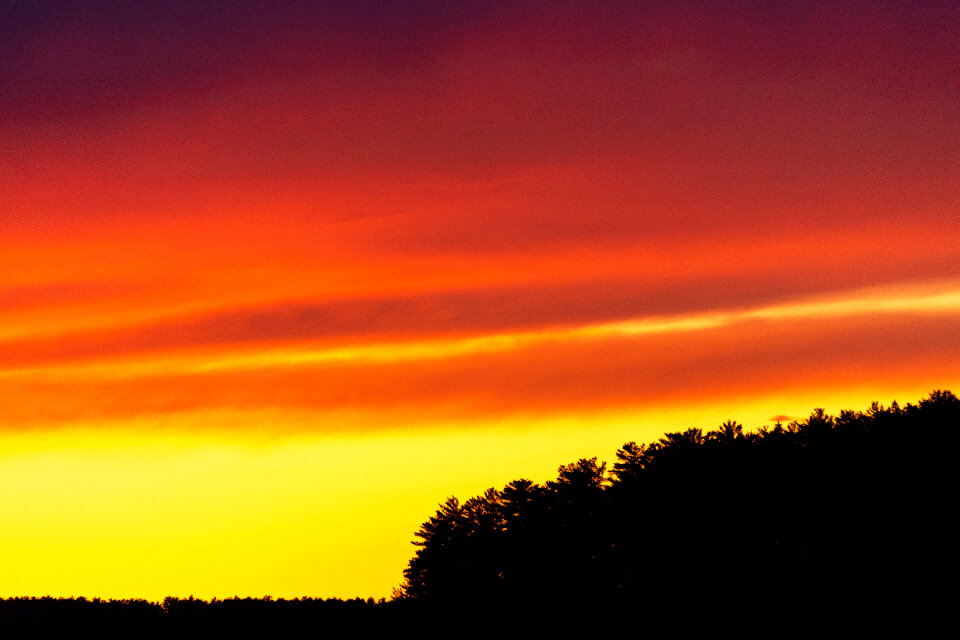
(830, 496)
(826, 518)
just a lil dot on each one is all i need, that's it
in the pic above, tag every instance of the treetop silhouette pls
(826, 504)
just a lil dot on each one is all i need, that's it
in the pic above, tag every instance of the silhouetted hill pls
(831, 524)
(844, 516)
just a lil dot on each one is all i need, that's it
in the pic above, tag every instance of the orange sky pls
(276, 279)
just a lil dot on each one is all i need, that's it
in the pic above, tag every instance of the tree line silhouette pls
(845, 517)
(830, 515)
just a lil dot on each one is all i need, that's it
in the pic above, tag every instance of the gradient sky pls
(278, 277)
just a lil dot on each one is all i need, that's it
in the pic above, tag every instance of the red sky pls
(546, 228)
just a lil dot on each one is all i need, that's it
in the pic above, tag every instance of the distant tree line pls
(831, 522)
(195, 618)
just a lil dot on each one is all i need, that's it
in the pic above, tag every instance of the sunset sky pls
(276, 278)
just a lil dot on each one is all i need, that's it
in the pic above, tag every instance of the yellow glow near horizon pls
(150, 509)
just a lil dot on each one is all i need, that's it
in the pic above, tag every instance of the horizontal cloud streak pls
(465, 313)
(872, 337)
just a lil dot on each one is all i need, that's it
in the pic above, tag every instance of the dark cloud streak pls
(735, 361)
(444, 314)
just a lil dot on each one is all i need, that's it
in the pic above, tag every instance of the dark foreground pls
(788, 614)
(835, 524)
